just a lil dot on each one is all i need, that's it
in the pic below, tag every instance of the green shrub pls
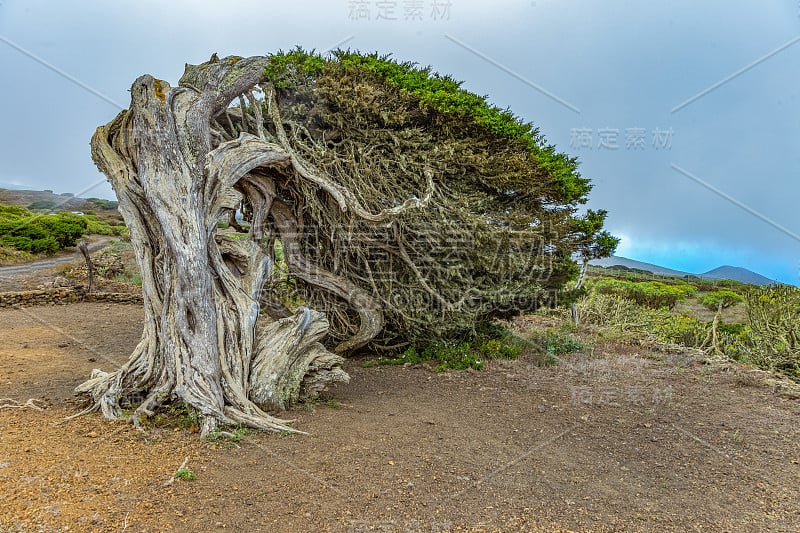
(735, 341)
(27, 232)
(653, 294)
(103, 204)
(454, 356)
(555, 342)
(448, 356)
(709, 285)
(410, 356)
(12, 213)
(677, 329)
(631, 320)
(491, 341)
(774, 313)
(732, 329)
(497, 349)
(42, 205)
(185, 474)
(712, 300)
(65, 228)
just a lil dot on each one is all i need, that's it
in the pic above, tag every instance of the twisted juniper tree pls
(382, 206)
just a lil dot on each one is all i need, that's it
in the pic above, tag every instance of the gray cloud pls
(623, 66)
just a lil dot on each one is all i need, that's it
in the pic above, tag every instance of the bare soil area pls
(608, 440)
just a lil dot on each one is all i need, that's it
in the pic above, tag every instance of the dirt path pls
(19, 277)
(607, 441)
(96, 242)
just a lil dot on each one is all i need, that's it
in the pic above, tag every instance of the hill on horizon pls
(740, 274)
(737, 273)
(42, 201)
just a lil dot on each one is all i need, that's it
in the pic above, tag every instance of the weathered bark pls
(578, 284)
(83, 246)
(176, 176)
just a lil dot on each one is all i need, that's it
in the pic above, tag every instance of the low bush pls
(709, 285)
(25, 231)
(771, 341)
(42, 205)
(11, 255)
(652, 294)
(774, 313)
(448, 356)
(41, 234)
(556, 341)
(627, 319)
(491, 341)
(726, 298)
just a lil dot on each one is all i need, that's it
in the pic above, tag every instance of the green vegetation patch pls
(774, 343)
(651, 294)
(771, 340)
(39, 234)
(25, 231)
(725, 298)
(492, 341)
(185, 474)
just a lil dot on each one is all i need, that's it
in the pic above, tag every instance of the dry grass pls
(735, 314)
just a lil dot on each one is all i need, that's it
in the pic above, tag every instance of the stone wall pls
(63, 295)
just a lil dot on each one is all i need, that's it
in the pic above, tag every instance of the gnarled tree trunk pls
(176, 175)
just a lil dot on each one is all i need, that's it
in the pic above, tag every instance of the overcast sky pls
(685, 115)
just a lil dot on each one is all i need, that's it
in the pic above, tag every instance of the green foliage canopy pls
(499, 227)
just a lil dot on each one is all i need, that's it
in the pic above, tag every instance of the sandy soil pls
(608, 440)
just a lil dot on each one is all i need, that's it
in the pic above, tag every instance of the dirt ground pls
(608, 440)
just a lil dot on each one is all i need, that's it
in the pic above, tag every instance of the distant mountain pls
(42, 201)
(736, 273)
(616, 260)
(740, 274)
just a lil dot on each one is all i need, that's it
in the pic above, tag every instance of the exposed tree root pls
(10, 403)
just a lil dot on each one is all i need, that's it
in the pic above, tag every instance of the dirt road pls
(96, 242)
(29, 275)
(612, 439)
